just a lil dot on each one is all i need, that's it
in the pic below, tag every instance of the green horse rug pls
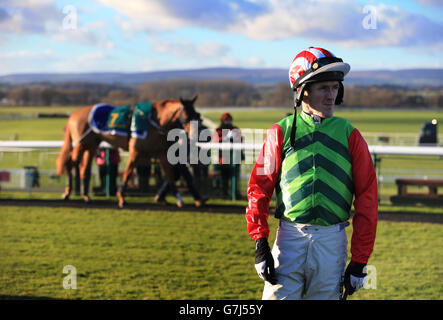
(123, 120)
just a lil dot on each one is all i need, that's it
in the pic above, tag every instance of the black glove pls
(354, 277)
(264, 262)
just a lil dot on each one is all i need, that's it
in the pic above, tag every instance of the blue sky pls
(152, 35)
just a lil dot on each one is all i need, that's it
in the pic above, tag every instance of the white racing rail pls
(393, 150)
(376, 150)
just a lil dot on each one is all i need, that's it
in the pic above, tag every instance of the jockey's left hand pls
(355, 277)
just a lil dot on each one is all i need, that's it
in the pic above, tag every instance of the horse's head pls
(188, 113)
(174, 112)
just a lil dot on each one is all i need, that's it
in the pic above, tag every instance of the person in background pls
(114, 160)
(227, 132)
(180, 170)
(200, 170)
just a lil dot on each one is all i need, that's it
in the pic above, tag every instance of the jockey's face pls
(319, 99)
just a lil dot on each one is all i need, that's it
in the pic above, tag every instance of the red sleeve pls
(261, 185)
(365, 219)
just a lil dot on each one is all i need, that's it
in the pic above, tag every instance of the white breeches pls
(309, 260)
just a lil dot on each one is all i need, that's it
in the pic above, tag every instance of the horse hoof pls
(161, 201)
(121, 200)
(180, 204)
(65, 197)
(200, 203)
(86, 199)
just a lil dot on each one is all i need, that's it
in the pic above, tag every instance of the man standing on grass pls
(316, 163)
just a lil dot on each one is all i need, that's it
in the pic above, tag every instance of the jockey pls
(317, 163)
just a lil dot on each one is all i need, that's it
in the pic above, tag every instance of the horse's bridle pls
(181, 118)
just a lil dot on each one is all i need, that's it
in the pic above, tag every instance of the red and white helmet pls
(316, 64)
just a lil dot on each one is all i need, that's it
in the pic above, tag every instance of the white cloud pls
(87, 62)
(25, 54)
(185, 49)
(159, 15)
(17, 61)
(24, 17)
(340, 21)
(89, 34)
(31, 61)
(144, 15)
(230, 61)
(79, 35)
(256, 62)
(29, 16)
(90, 57)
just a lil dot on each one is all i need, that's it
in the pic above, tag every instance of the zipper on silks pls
(317, 122)
(314, 167)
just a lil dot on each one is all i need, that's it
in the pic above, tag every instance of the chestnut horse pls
(81, 143)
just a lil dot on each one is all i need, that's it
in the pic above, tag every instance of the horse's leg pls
(130, 165)
(85, 174)
(75, 131)
(64, 163)
(68, 187)
(78, 153)
(169, 172)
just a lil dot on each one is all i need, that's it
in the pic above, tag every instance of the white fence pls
(251, 150)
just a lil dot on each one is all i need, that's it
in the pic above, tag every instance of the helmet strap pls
(298, 98)
(340, 94)
(298, 95)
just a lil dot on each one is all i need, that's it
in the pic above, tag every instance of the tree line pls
(212, 93)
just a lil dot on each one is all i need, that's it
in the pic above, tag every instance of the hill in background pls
(407, 77)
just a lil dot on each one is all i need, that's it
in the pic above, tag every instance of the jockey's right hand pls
(264, 262)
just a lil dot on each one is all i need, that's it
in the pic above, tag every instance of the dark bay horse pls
(81, 143)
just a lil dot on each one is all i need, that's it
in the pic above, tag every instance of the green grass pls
(129, 254)
(33, 129)
(144, 254)
(408, 262)
(125, 254)
(34, 110)
(406, 121)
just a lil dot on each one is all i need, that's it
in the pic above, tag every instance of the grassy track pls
(180, 255)
(126, 254)
(146, 254)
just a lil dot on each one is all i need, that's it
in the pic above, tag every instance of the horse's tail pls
(65, 152)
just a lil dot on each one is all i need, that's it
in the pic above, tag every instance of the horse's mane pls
(163, 102)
